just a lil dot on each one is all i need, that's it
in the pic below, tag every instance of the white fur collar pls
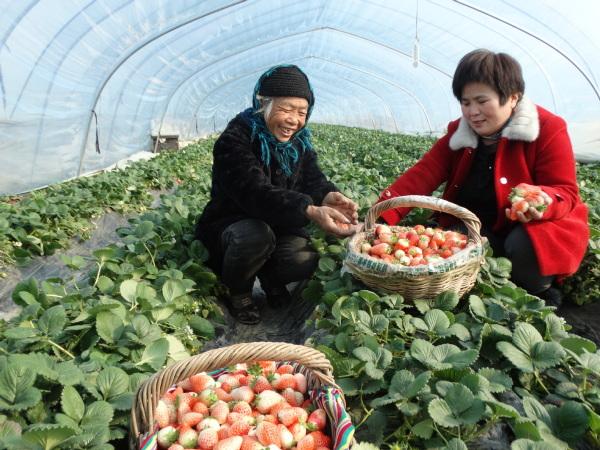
(524, 126)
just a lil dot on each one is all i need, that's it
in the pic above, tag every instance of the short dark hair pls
(500, 71)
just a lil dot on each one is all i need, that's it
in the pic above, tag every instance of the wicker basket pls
(418, 282)
(311, 362)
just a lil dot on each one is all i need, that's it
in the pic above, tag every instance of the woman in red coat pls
(504, 139)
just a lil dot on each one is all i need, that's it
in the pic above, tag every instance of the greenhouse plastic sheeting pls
(85, 83)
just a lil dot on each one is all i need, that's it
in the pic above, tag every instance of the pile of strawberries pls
(246, 408)
(413, 246)
(524, 196)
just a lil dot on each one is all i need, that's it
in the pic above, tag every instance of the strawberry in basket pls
(264, 405)
(413, 246)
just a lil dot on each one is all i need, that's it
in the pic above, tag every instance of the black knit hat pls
(286, 81)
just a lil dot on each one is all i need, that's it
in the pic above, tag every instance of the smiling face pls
(288, 115)
(480, 105)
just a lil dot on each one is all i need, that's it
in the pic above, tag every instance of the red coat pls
(534, 148)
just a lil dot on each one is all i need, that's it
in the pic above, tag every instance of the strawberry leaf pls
(47, 436)
(16, 389)
(112, 382)
(72, 403)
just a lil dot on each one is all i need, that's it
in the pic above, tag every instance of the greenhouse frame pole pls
(297, 34)
(385, 80)
(124, 58)
(557, 50)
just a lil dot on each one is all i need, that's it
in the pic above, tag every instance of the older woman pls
(504, 139)
(266, 186)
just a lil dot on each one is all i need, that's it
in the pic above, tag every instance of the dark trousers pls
(250, 248)
(517, 247)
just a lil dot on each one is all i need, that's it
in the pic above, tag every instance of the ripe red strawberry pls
(208, 438)
(201, 408)
(382, 229)
(260, 384)
(322, 448)
(380, 249)
(250, 443)
(267, 366)
(285, 437)
(302, 414)
(172, 395)
(266, 400)
(301, 382)
(243, 394)
(321, 439)
(223, 432)
(423, 242)
(232, 443)
(306, 443)
(243, 408)
(229, 379)
(288, 416)
(176, 447)
(201, 381)
(317, 420)
(223, 395)
(239, 428)
(270, 418)
(267, 433)
(191, 419)
(420, 229)
(285, 368)
(285, 381)
(220, 411)
(243, 379)
(298, 430)
(402, 244)
(233, 417)
(188, 437)
(292, 397)
(278, 407)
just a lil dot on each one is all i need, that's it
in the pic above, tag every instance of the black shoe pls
(278, 297)
(243, 309)
(552, 297)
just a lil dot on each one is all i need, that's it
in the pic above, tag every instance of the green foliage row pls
(43, 221)
(72, 359)
(584, 286)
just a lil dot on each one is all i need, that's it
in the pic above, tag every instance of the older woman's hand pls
(343, 204)
(533, 212)
(331, 220)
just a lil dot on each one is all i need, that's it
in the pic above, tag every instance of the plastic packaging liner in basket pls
(329, 398)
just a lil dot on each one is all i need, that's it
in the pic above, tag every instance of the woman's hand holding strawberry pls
(343, 204)
(528, 203)
(331, 220)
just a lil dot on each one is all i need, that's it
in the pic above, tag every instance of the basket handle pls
(151, 390)
(471, 221)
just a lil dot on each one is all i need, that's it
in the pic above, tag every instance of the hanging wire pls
(416, 48)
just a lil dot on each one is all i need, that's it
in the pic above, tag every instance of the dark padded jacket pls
(243, 187)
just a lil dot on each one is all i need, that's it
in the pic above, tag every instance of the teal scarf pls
(286, 153)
